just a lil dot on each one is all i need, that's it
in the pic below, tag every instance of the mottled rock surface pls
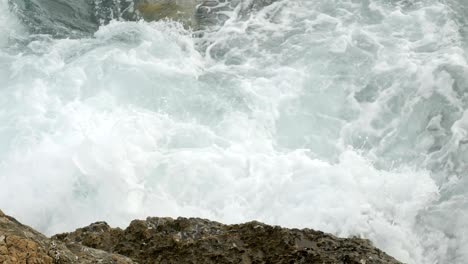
(194, 240)
(22, 244)
(182, 240)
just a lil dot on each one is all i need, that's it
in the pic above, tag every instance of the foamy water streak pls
(346, 117)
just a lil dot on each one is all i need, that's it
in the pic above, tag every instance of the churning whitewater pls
(346, 116)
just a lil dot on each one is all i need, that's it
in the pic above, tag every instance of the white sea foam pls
(341, 116)
(10, 26)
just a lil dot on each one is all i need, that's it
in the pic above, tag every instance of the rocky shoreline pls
(182, 240)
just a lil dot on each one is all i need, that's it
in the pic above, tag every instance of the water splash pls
(351, 117)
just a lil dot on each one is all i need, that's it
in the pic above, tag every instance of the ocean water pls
(347, 116)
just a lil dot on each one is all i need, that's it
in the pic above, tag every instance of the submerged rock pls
(191, 13)
(183, 240)
(67, 18)
(63, 18)
(179, 10)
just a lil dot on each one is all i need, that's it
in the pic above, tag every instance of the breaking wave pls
(346, 116)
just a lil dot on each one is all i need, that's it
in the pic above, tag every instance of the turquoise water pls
(345, 116)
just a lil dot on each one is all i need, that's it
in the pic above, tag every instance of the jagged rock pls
(22, 244)
(182, 240)
(194, 240)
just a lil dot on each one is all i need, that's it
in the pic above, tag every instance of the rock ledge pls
(182, 240)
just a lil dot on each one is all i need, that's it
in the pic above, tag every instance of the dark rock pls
(182, 240)
(194, 240)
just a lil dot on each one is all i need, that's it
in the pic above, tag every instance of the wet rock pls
(22, 244)
(214, 12)
(182, 240)
(179, 10)
(194, 240)
(192, 13)
(60, 18)
(75, 19)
